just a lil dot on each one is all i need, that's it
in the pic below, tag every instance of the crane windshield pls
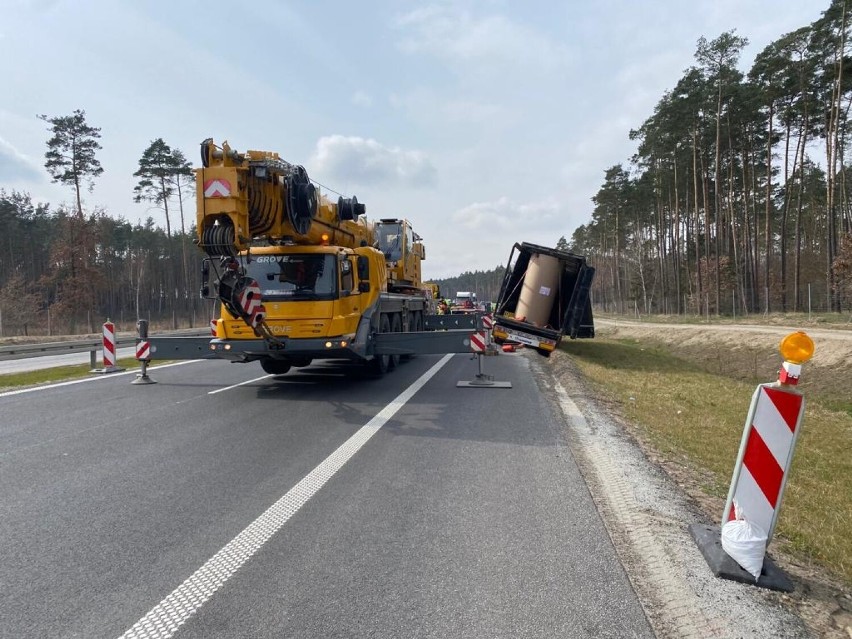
(390, 240)
(294, 277)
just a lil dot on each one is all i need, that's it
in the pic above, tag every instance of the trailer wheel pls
(396, 327)
(275, 366)
(380, 364)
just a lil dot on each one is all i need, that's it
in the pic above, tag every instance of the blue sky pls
(483, 122)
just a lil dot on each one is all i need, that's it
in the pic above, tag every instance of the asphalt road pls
(224, 503)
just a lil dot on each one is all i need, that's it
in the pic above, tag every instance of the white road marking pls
(93, 379)
(164, 619)
(256, 379)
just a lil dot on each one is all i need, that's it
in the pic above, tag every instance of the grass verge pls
(692, 416)
(57, 374)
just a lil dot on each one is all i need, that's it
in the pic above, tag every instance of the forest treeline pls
(63, 274)
(486, 284)
(65, 270)
(738, 199)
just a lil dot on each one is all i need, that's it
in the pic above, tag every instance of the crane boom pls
(251, 196)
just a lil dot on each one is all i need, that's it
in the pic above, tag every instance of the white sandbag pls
(746, 544)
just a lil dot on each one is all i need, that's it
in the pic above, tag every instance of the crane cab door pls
(349, 305)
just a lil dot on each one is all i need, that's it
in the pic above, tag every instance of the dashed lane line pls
(164, 619)
(249, 381)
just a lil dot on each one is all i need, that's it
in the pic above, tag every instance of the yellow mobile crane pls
(300, 277)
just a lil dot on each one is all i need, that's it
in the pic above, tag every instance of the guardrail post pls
(143, 353)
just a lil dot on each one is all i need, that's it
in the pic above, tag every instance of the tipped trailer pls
(543, 298)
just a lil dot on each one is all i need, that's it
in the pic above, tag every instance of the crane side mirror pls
(205, 278)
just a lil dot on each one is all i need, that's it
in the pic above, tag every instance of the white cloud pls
(15, 166)
(483, 233)
(365, 161)
(505, 214)
(362, 99)
(491, 42)
(426, 105)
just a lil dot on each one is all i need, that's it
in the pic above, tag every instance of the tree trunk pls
(676, 242)
(699, 289)
(768, 211)
(783, 248)
(717, 208)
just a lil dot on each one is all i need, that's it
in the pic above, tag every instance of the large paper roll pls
(539, 291)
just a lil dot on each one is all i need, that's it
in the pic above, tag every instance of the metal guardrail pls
(92, 346)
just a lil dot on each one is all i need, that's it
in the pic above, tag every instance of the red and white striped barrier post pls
(109, 344)
(109, 357)
(143, 350)
(143, 353)
(772, 428)
(477, 343)
(487, 325)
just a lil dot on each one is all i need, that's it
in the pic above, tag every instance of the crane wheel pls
(275, 366)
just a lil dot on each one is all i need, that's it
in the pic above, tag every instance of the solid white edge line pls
(164, 619)
(99, 378)
(256, 379)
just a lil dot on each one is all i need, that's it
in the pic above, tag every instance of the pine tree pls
(71, 152)
(162, 171)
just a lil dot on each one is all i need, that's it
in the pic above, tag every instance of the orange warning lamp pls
(797, 347)
(324, 239)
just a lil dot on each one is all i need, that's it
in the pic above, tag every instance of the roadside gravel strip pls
(647, 517)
